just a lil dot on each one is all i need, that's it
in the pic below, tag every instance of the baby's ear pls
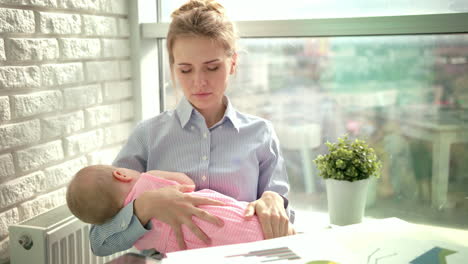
(121, 176)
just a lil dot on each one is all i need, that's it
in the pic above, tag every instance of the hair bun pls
(201, 5)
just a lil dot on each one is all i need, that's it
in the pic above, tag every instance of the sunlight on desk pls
(387, 241)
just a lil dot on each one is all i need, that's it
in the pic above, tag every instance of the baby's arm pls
(179, 177)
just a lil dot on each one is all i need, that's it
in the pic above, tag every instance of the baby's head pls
(97, 192)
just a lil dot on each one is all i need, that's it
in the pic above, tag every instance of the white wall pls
(65, 98)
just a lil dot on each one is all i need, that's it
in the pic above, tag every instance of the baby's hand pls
(179, 177)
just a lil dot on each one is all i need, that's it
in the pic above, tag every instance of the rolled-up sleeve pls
(117, 234)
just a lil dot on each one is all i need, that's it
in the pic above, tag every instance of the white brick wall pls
(39, 155)
(100, 26)
(17, 20)
(26, 49)
(103, 114)
(126, 69)
(19, 77)
(54, 23)
(59, 125)
(17, 134)
(36, 103)
(66, 98)
(102, 70)
(115, 48)
(103, 156)
(80, 97)
(73, 48)
(117, 133)
(41, 204)
(117, 90)
(7, 218)
(60, 74)
(124, 27)
(2, 50)
(4, 245)
(7, 168)
(32, 3)
(61, 174)
(93, 5)
(84, 143)
(21, 189)
(4, 108)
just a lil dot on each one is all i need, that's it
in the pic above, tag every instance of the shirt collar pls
(185, 109)
(231, 114)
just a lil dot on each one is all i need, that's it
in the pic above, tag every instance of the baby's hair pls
(202, 18)
(90, 196)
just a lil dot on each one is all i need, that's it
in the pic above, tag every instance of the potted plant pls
(346, 170)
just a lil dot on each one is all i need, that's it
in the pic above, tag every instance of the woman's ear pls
(121, 176)
(233, 63)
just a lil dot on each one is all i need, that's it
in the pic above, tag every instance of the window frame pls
(336, 27)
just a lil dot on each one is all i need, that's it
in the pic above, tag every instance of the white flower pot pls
(346, 201)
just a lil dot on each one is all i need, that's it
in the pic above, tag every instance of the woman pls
(218, 147)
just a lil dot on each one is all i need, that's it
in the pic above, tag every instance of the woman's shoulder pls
(161, 119)
(249, 119)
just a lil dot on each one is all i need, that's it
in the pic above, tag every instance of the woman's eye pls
(185, 71)
(213, 68)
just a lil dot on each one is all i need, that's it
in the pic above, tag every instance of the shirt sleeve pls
(272, 174)
(117, 234)
(134, 154)
(122, 231)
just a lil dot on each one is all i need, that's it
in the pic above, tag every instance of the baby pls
(98, 192)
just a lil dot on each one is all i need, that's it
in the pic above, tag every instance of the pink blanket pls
(235, 230)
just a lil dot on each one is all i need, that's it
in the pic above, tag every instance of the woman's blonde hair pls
(202, 18)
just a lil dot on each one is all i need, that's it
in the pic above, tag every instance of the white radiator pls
(55, 237)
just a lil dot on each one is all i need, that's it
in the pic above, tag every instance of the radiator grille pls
(55, 237)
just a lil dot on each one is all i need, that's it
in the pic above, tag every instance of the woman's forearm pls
(117, 234)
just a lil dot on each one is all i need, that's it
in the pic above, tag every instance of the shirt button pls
(204, 157)
(122, 225)
(204, 135)
(192, 127)
(221, 126)
(204, 178)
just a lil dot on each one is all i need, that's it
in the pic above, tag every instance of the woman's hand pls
(271, 214)
(176, 208)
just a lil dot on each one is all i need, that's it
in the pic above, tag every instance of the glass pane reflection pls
(406, 95)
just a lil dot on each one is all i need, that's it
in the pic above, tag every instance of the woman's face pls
(202, 68)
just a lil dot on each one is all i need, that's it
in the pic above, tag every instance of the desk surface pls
(389, 240)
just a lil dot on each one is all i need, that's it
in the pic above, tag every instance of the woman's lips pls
(201, 95)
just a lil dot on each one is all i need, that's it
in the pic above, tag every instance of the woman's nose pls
(200, 79)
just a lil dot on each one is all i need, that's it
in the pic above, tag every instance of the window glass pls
(406, 95)
(301, 9)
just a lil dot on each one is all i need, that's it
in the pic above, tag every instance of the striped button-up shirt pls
(239, 156)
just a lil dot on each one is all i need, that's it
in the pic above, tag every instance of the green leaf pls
(348, 160)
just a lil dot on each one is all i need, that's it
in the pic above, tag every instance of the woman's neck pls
(213, 115)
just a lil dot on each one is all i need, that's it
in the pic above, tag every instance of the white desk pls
(387, 241)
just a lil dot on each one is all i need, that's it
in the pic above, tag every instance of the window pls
(400, 82)
(303, 9)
